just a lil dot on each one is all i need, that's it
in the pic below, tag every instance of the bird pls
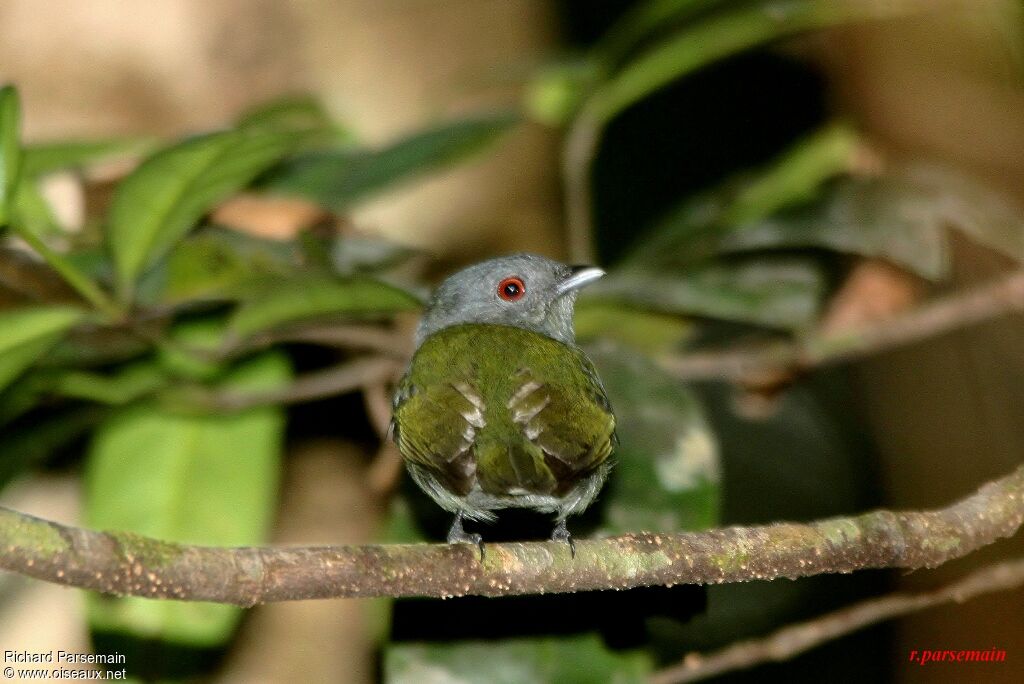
(499, 408)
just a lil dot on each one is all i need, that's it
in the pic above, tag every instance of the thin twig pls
(578, 154)
(977, 305)
(793, 640)
(124, 563)
(348, 336)
(377, 401)
(345, 377)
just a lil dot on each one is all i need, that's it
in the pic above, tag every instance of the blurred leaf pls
(28, 446)
(881, 218)
(352, 254)
(667, 476)
(215, 265)
(279, 302)
(10, 148)
(296, 113)
(568, 660)
(156, 206)
(338, 179)
(797, 176)
(721, 34)
(30, 211)
(646, 19)
(26, 334)
(902, 217)
(191, 348)
(555, 93)
(192, 479)
(128, 383)
(941, 197)
(647, 331)
(43, 158)
(775, 292)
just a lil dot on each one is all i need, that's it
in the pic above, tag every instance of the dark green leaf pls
(10, 148)
(883, 218)
(568, 660)
(774, 292)
(216, 265)
(667, 473)
(196, 479)
(163, 199)
(43, 158)
(28, 446)
(26, 334)
(278, 303)
(339, 179)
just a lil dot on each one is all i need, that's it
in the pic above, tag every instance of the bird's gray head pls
(521, 290)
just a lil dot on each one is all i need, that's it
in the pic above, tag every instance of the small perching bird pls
(499, 408)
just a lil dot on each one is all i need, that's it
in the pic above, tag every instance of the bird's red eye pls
(511, 289)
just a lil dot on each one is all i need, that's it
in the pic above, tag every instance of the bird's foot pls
(561, 534)
(457, 535)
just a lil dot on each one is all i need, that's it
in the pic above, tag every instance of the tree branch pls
(123, 563)
(944, 314)
(344, 377)
(794, 639)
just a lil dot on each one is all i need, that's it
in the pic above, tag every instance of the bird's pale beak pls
(579, 277)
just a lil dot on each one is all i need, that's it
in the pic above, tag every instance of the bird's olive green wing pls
(434, 427)
(566, 413)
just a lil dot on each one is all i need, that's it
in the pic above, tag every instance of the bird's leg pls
(457, 535)
(561, 534)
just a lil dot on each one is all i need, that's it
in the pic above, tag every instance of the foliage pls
(116, 332)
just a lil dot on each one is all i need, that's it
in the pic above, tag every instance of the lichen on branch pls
(127, 564)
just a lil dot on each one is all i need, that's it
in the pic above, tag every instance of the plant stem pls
(80, 282)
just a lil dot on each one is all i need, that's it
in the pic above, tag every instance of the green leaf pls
(289, 301)
(797, 176)
(297, 113)
(43, 158)
(880, 218)
(775, 292)
(216, 265)
(30, 211)
(128, 383)
(160, 202)
(339, 179)
(646, 19)
(28, 333)
(725, 33)
(556, 92)
(568, 660)
(10, 148)
(193, 479)
(667, 476)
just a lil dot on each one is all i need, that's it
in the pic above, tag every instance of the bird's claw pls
(457, 535)
(561, 534)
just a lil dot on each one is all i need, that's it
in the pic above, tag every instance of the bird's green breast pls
(504, 409)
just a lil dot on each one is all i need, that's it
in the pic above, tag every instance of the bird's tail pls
(517, 469)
